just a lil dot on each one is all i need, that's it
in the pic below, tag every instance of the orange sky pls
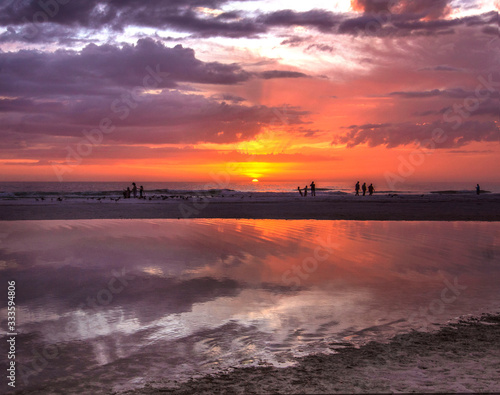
(333, 93)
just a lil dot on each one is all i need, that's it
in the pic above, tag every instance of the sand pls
(429, 207)
(460, 357)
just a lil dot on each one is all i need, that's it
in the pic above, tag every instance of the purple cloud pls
(402, 134)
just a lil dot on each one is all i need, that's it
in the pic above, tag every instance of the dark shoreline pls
(459, 357)
(378, 208)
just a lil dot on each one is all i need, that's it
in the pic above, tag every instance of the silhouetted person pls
(134, 190)
(124, 193)
(313, 189)
(371, 189)
(300, 191)
(356, 188)
(305, 190)
(478, 189)
(364, 189)
(141, 192)
(127, 192)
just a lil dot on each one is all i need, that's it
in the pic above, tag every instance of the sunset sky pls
(277, 90)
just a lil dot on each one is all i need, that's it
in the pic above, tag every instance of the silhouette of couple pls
(313, 190)
(371, 189)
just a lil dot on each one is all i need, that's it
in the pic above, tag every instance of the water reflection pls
(139, 300)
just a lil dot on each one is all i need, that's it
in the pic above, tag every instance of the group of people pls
(371, 189)
(304, 193)
(127, 192)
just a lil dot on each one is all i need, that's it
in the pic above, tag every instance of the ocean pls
(69, 190)
(114, 305)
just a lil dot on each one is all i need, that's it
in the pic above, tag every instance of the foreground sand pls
(461, 357)
(432, 207)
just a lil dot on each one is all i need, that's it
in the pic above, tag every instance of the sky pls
(274, 90)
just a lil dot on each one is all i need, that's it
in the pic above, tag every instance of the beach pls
(207, 305)
(460, 357)
(394, 207)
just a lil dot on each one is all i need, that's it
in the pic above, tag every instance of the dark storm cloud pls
(323, 20)
(65, 92)
(401, 134)
(94, 13)
(101, 70)
(28, 106)
(409, 24)
(117, 14)
(492, 30)
(46, 34)
(397, 18)
(170, 117)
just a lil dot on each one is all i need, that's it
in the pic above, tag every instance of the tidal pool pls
(116, 304)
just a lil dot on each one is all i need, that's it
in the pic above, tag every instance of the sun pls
(255, 180)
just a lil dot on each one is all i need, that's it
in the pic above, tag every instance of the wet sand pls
(460, 357)
(431, 207)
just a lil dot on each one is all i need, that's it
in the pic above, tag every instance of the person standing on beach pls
(300, 191)
(364, 189)
(371, 189)
(313, 189)
(134, 190)
(141, 192)
(478, 189)
(357, 189)
(305, 190)
(127, 193)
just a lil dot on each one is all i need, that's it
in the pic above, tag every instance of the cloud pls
(422, 94)
(371, 6)
(487, 107)
(182, 15)
(63, 93)
(37, 21)
(323, 20)
(431, 9)
(402, 134)
(440, 68)
(229, 97)
(107, 69)
(269, 74)
(454, 93)
(294, 41)
(171, 117)
(321, 47)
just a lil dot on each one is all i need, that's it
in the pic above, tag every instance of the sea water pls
(69, 190)
(117, 304)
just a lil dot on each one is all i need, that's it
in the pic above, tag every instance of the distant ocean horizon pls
(87, 189)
